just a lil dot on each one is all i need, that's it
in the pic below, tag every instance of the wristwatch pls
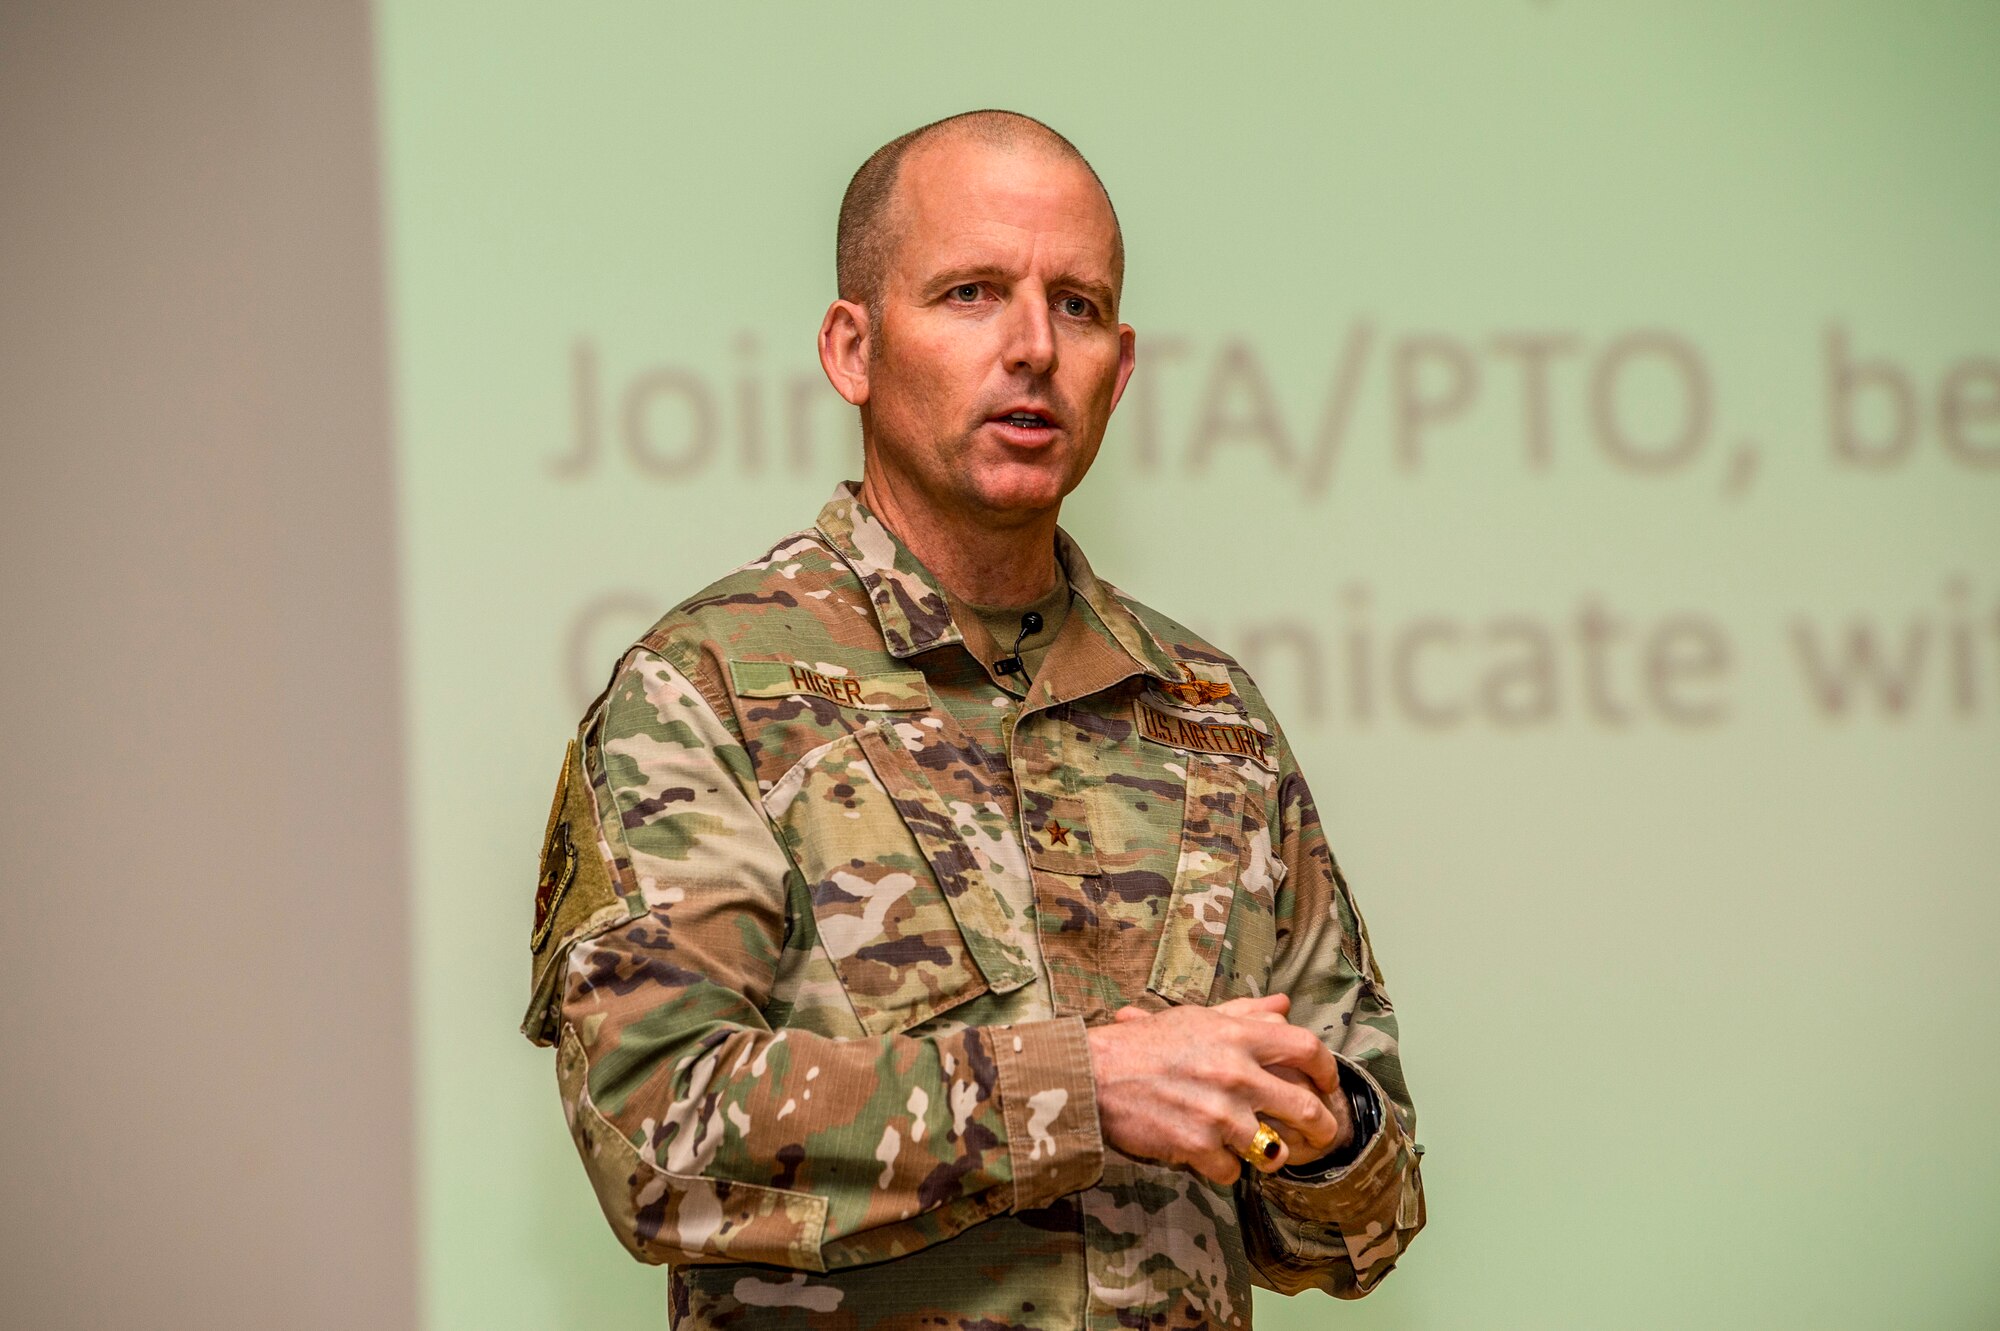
(1364, 1111)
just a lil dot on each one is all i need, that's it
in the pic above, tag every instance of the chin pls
(1018, 489)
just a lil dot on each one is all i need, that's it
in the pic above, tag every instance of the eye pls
(965, 291)
(1075, 306)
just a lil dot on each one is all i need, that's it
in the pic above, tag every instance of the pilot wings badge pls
(1195, 691)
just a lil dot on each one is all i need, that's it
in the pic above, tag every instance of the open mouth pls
(1026, 420)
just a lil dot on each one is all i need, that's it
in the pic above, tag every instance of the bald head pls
(870, 220)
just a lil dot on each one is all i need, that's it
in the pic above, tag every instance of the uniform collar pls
(912, 610)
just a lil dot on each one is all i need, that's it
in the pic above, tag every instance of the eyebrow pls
(1099, 291)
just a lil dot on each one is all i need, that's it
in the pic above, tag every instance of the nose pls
(1030, 343)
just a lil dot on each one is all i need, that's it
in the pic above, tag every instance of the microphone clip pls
(1010, 664)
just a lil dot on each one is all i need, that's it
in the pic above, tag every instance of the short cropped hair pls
(867, 233)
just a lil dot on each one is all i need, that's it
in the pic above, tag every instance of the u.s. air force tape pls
(1236, 739)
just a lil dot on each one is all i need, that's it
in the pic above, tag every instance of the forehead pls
(965, 202)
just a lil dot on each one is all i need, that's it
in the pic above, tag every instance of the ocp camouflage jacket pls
(826, 906)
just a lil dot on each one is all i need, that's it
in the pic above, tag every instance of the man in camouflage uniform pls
(907, 972)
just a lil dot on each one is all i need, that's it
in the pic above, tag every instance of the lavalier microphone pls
(1010, 664)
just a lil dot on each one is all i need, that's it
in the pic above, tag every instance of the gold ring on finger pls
(1264, 1146)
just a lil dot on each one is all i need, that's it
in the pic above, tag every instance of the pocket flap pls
(1059, 835)
(974, 901)
(1205, 884)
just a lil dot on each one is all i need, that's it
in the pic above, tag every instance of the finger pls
(1129, 1013)
(1298, 1146)
(1294, 1047)
(1217, 1166)
(1243, 1142)
(1255, 1000)
(1343, 1122)
(1301, 1148)
(1280, 1003)
(1288, 1105)
(1253, 1009)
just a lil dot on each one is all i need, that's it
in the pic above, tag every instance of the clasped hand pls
(1185, 1086)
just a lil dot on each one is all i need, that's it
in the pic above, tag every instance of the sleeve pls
(1342, 1230)
(708, 1135)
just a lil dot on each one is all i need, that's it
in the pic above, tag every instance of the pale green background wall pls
(1695, 967)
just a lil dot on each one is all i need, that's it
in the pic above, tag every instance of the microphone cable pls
(1010, 664)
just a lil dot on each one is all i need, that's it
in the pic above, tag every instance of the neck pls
(977, 562)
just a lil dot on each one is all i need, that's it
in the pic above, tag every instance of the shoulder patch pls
(559, 857)
(574, 895)
(895, 691)
(1232, 738)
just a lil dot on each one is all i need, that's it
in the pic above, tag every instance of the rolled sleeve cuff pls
(1363, 1199)
(1049, 1100)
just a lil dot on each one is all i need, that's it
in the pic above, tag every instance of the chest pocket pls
(1221, 916)
(904, 908)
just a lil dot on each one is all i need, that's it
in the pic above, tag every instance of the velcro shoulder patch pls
(574, 894)
(1235, 739)
(1204, 686)
(896, 691)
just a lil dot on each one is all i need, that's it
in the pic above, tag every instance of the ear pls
(1127, 357)
(843, 349)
